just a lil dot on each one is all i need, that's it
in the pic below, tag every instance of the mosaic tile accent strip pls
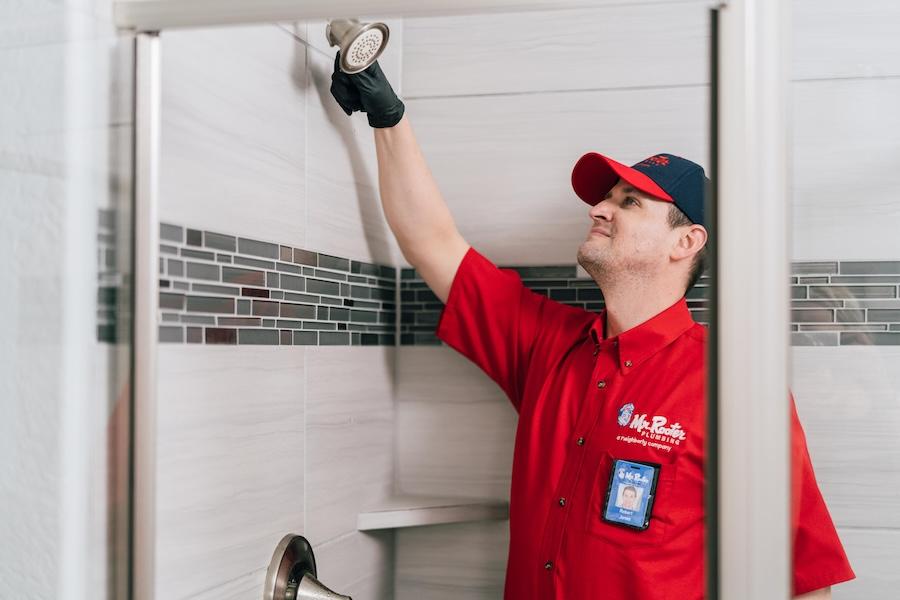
(109, 280)
(841, 303)
(224, 289)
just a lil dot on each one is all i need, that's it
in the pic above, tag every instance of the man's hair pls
(678, 219)
(630, 487)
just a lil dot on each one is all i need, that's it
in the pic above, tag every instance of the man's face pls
(628, 497)
(629, 235)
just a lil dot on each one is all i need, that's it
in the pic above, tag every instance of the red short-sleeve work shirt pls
(583, 401)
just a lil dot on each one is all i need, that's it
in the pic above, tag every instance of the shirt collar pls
(643, 341)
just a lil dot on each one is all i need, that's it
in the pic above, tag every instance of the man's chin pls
(585, 257)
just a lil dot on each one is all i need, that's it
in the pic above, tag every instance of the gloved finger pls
(337, 64)
(347, 96)
(370, 78)
(344, 91)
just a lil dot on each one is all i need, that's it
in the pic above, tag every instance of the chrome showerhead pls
(360, 43)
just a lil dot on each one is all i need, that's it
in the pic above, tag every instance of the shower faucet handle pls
(311, 588)
(292, 573)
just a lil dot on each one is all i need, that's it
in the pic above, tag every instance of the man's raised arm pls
(415, 209)
(412, 203)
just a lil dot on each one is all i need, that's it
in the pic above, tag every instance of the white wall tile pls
(557, 50)
(230, 452)
(345, 215)
(846, 185)
(455, 427)
(233, 139)
(33, 218)
(873, 555)
(835, 38)
(504, 164)
(849, 405)
(448, 562)
(349, 436)
(36, 22)
(629, 45)
(37, 92)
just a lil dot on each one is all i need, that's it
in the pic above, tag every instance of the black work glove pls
(368, 91)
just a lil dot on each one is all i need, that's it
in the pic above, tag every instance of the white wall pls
(65, 127)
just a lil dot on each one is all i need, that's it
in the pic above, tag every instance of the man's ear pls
(690, 241)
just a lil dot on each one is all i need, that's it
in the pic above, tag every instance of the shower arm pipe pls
(155, 15)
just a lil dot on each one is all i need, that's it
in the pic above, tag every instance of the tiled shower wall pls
(277, 316)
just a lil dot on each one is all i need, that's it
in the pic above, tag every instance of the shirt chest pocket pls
(660, 519)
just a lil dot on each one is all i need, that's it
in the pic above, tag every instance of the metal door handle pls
(292, 573)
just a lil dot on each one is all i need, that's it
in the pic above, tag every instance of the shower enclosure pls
(155, 460)
(749, 164)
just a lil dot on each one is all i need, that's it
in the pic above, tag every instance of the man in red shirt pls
(605, 401)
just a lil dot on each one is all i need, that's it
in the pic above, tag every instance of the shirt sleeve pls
(492, 319)
(819, 557)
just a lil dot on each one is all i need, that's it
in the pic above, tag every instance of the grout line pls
(306, 43)
(867, 528)
(846, 78)
(305, 435)
(560, 91)
(628, 88)
(306, 78)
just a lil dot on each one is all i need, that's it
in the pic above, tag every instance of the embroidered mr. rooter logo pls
(654, 428)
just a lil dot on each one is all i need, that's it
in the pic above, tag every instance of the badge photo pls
(630, 493)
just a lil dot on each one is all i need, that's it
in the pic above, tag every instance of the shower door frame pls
(747, 519)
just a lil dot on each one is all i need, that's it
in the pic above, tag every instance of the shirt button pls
(601, 384)
(562, 501)
(627, 363)
(580, 441)
(596, 350)
(548, 565)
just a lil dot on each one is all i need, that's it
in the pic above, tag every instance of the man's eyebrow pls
(625, 190)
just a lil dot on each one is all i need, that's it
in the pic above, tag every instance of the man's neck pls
(625, 310)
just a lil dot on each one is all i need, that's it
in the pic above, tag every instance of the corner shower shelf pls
(409, 510)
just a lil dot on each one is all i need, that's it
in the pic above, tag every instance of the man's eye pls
(631, 199)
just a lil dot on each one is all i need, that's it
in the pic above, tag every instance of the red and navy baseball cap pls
(664, 176)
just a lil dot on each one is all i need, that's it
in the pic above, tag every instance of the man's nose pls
(601, 210)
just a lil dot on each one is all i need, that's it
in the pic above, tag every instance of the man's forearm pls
(820, 594)
(412, 203)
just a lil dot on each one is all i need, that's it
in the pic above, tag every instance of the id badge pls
(630, 494)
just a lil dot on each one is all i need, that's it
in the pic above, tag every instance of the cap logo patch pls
(656, 161)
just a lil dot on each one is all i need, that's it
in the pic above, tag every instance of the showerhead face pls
(360, 43)
(365, 48)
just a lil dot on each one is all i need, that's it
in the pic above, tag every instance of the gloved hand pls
(368, 91)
